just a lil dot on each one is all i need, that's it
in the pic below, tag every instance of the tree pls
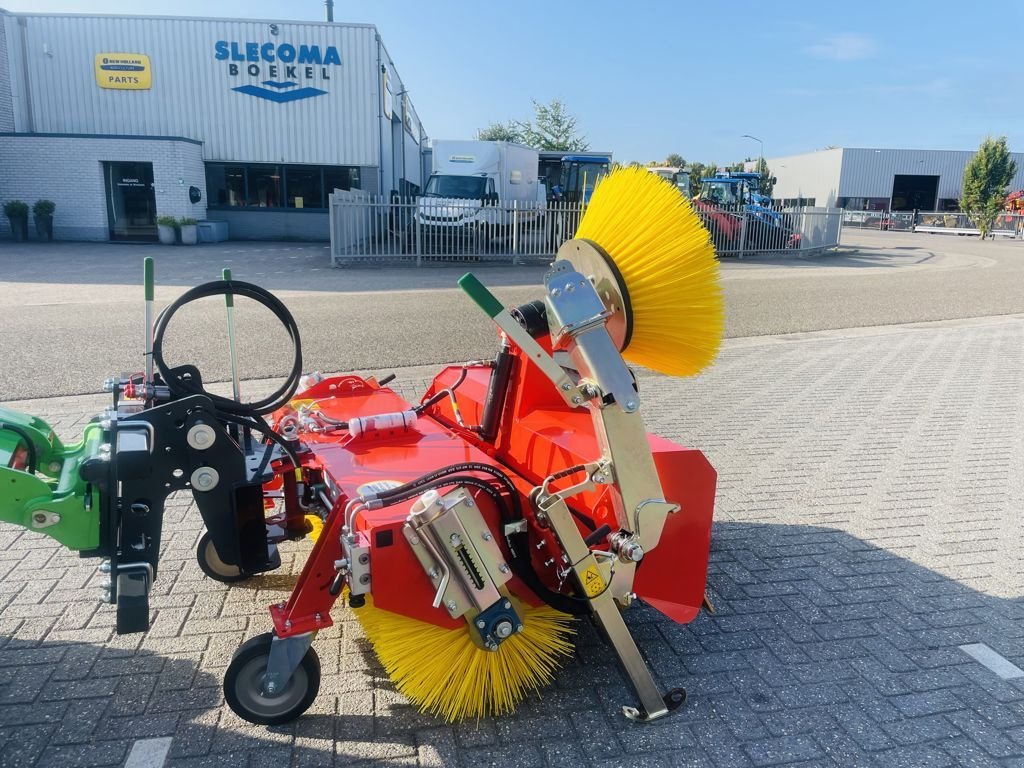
(767, 180)
(987, 180)
(675, 160)
(500, 132)
(552, 128)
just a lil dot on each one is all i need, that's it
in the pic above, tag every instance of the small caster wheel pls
(211, 564)
(243, 684)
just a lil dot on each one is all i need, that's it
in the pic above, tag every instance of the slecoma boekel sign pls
(287, 72)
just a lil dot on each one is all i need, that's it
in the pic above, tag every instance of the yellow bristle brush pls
(446, 674)
(665, 257)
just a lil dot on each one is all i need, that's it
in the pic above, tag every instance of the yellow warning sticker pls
(593, 584)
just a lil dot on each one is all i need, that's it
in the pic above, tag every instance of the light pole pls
(761, 159)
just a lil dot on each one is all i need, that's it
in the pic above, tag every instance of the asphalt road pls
(71, 314)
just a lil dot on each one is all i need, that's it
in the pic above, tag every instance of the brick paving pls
(867, 526)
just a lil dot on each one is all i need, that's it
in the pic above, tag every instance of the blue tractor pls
(578, 175)
(729, 197)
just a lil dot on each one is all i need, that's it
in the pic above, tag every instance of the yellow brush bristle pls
(446, 674)
(668, 264)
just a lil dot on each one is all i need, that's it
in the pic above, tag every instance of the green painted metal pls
(55, 501)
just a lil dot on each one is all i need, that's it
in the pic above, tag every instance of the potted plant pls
(166, 228)
(189, 231)
(42, 212)
(16, 212)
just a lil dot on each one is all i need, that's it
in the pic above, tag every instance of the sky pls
(646, 78)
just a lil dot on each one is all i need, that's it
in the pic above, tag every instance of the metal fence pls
(739, 231)
(1005, 225)
(372, 228)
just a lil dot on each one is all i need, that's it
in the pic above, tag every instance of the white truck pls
(478, 189)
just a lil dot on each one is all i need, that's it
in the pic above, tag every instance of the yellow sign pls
(124, 71)
(593, 584)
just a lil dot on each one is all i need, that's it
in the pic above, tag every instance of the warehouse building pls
(876, 179)
(121, 119)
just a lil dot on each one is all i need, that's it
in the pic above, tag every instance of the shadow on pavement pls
(824, 650)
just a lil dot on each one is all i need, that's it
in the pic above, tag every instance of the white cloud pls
(847, 46)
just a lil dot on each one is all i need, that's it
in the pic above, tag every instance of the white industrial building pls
(120, 119)
(876, 179)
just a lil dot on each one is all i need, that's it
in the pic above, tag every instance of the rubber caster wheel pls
(243, 684)
(211, 564)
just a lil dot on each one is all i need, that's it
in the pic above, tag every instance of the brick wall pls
(69, 171)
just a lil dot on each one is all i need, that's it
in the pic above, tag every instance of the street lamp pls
(748, 136)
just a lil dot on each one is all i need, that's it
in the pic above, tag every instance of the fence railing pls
(1005, 225)
(373, 228)
(741, 231)
(418, 230)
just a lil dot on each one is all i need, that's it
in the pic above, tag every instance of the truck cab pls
(678, 177)
(578, 176)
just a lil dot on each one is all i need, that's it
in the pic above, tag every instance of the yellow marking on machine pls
(593, 584)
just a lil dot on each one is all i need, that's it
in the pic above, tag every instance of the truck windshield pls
(720, 193)
(462, 187)
(578, 179)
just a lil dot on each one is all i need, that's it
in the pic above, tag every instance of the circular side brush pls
(446, 674)
(670, 295)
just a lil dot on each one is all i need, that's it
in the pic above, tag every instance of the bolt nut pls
(504, 629)
(364, 579)
(450, 605)
(104, 567)
(205, 479)
(503, 567)
(455, 540)
(481, 624)
(487, 536)
(555, 292)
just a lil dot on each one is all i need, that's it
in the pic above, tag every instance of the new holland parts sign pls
(123, 71)
(286, 72)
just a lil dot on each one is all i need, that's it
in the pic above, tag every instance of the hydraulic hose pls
(520, 562)
(182, 387)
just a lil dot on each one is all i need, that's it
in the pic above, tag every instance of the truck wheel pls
(211, 564)
(243, 684)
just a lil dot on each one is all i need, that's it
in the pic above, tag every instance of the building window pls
(305, 186)
(340, 177)
(264, 186)
(225, 185)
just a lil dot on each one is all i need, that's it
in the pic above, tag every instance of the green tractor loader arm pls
(42, 489)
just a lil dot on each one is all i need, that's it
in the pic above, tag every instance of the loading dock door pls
(914, 193)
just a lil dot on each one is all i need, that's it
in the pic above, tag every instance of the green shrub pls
(167, 221)
(16, 209)
(43, 208)
(186, 222)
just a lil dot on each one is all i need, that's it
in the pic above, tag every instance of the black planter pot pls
(19, 229)
(44, 227)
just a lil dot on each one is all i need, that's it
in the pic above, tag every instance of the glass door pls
(131, 201)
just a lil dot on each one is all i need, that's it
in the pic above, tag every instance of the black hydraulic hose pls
(520, 562)
(31, 458)
(181, 387)
(447, 391)
(263, 428)
(468, 466)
